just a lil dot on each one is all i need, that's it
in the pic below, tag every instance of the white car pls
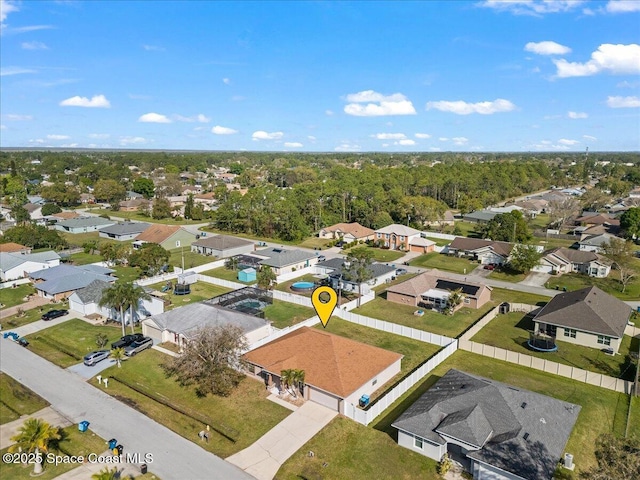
(136, 347)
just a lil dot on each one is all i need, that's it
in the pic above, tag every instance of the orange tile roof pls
(157, 233)
(12, 247)
(332, 363)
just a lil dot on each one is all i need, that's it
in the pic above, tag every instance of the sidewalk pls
(264, 458)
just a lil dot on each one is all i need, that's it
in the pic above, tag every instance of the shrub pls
(445, 465)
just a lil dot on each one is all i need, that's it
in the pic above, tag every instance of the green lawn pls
(444, 262)
(500, 295)
(431, 321)
(246, 410)
(469, 229)
(226, 274)
(78, 239)
(29, 316)
(199, 291)
(440, 242)
(634, 419)
(84, 258)
(603, 411)
(126, 274)
(17, 400)
(414, 351)
(315, 242)
(507, 275)
(284, 314)
(380, 254)
(73, 442)
(142, 218)
(399, 279)
(66, 343)
(191, 259)
(611, 284)
(511, 332)
(10, 297)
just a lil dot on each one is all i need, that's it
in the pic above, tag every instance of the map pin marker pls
(324, 309)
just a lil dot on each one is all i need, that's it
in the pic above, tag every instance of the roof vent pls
(526, 435)
(524, 405)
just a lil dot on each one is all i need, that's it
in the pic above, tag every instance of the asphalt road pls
(173, 456)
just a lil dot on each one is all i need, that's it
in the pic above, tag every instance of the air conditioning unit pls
(568, 461)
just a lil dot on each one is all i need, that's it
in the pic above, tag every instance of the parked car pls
(23, 342)
(90, 359)
(138, 346)
(127, 340)
(51, 314)
(341, 243)
(401, 271)
(489, 266)
(321, 258)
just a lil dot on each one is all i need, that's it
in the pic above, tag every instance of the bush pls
(445, 465)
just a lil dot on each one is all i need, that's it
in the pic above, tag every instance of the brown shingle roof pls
(65, 215)
(355, 229)
(12, 247)
(470, 244)
(332, 363)
(157, 233)
(425, 281)
(590, 310)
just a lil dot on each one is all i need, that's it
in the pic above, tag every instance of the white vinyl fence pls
(11, 283)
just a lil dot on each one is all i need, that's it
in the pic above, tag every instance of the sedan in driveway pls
(136, 347)
(127, 340)
(51, 314)
(90, 359)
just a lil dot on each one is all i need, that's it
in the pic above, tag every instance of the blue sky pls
(520, 75)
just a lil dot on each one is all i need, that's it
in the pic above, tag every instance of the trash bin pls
(112, 443)
(364, 401)
(119, 448)
(82, 426)
(143, 468)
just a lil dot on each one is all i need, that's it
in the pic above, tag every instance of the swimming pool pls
(303, 286)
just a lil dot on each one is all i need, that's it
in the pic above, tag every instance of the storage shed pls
(247, 275)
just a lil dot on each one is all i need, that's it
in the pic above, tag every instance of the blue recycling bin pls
(82, 426)
(112, 443)
(364, 400)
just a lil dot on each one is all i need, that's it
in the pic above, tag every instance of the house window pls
(569, 332)
(417, 442)
(602, 340)
(467, 300)
(375, 380)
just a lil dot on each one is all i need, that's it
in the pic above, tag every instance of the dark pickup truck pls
(127, 340)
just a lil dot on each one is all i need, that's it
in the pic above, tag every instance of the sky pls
(401, 76)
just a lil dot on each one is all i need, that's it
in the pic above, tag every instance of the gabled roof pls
(157, 233)
(222, 242)
(31, 207)
(11, 247)
(355, 229)
(65, 215)
(471, 244)
(85, 222)
(570, 255)
(65, 278)
(516, 430)
(126, 228)
(92, 293)
(281, 257)
(420, 284)
(597, 240)
(589, 310)
(399, 230)
(332, 363)
(480, 215)
(9, 260)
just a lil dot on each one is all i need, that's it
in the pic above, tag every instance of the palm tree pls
(34, 437)
(132, 295)
(298, 380)
(105, 474)
(455, 299)
(115, 297)
(118, 355)
(231, 263)
(286, 378)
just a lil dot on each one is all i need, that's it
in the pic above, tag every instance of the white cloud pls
(218, 130)
(589, 137)
(98, 136)
(460, 140)
(6, 71)
(422, 135)
(262, 135)
(389, 136)
(406, 142)
(198, 118)
(312, 138)
(203, 118)
(3, 127)
(532, 7)
(153, 48)
(34, 46)
(614, 59)
(133, 141)
(58, 137)
(623, 6)
(7, 7)
(97, 101)
(547, 48)
(565, 141)
(154, 118)
(460, 107)
(577, 115)
(329, 113)
(623, 102)
(293, 145)
(348, 147)
(377, 104)
(17, 118)
(226, 81)
(443, 139)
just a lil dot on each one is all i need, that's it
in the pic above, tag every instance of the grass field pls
(78, 239)
(29, 316)
(444, 262)
(10, 297)
(284, 314)
(73, 442)
(17, 400)
(611, 284)
(84, 258)
(191, 259)
(380, 254)
(199, 291)
(315, 242)
(507, 275)
(633, 428)
(141, 218)
(500, 295)
(66, 343)
(226, 274)
(511, 332)
(245, 410)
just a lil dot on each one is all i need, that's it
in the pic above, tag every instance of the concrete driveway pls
(89, 372)
(264, 458)
(535, 279)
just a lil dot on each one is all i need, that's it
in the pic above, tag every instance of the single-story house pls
(58, 283)
(133, 195)
(247, 275)
(338, 370)
(12, 247)
(87, 302)
(64, 215)
(479, 216)
(496, 431)
(167, 236)
(222, 246)
(35, 211)
(447, 218)
(206, 200)
(285, 260)
(567, 260)
(484, 251)
(588, 317)
(123, 231)
(590, 219)
(595, 243)
(15, 265)
(347, 232)
(402, 237)
(337, 271)
(134, 205)
(430, 291)
(84, 224)
(180, 324)
(87, 198)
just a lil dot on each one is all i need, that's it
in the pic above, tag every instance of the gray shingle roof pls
(474, 409)
(92, 293)
(9, 260)
(222, 242)
(85, 222)
(66, 278)
(337, 266)
(126, 228)
(281, 257)
(589, 310)
(188, 319)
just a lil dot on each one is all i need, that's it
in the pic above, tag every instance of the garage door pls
(322, 398)
(543, 268)
(154, 333)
